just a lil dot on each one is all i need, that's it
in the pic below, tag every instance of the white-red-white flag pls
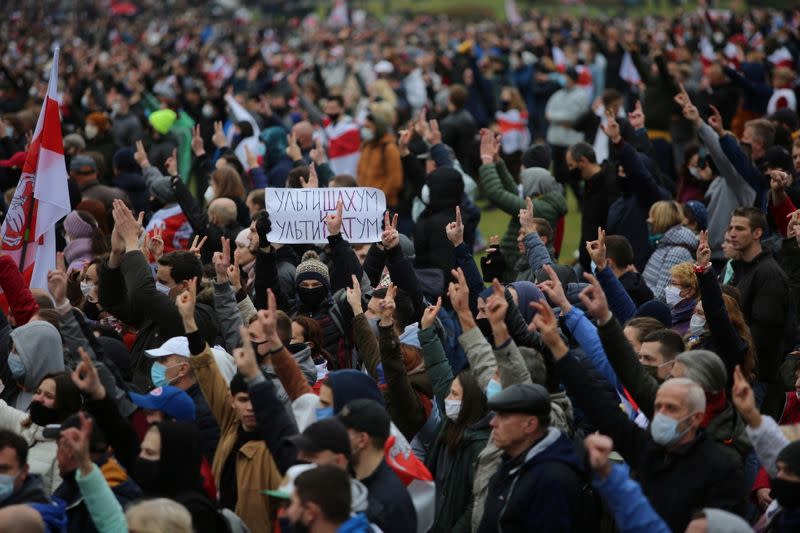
(628, 71)
(781, 58)
(42, 195)
(339, 16)
(512, 13)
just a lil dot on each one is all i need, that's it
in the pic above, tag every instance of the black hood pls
(446, 188)
(179, 466)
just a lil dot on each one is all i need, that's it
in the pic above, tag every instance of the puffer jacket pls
(503, 193)
(676, 246)
(379, 166)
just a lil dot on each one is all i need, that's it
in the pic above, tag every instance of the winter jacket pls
(635, 286)
(129, 293)
(563, 109)
(41, 451)
(31, 491)
(600, 193)
(74, 493)
(206, 424)
(255, 468)
(379, 166)
(539, 490)
(458, 132)
(678, 245)
(453, 471)
(503, 192)
(790, 262)
(627, 503)
(627, 216)
(724, 194)
(274, 422)
(767, 308)
(706, 477)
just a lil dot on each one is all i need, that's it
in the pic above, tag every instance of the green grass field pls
(495, 222)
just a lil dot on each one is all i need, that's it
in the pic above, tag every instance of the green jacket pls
(454, 494)
(503, 192)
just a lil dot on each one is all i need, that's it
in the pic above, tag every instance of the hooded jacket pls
(537, 491)
(549, 202)
(379, 166)
(678, 245)
(38, 344)
(431, 245)
(31, 491)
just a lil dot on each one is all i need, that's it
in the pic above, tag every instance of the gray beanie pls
(719, 521)
(704, 368)
(162, 190)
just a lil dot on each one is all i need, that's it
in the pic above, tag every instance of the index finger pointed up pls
(497, 288)
(529, 204)
(356, 284)
(386, 222)
(339, 209)
(272, 304)
(458, 216)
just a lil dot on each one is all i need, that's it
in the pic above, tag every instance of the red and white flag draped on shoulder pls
(42, 195)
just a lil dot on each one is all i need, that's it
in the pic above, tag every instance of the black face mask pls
(300, 527)
(155, 204)
(786, 492)
(505, 105)
(486, 328)
(575, 175)
(42, 416)
(312, 298)
(145, 472)
(333, 117)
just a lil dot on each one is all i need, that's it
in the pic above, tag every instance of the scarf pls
(715, 404)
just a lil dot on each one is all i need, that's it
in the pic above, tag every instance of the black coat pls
(458, 132)
(679, 482)
(768, 310)
(600, 193)
(205, 422)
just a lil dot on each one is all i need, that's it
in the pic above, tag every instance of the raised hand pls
(156, 243)
(171, 164)
(219, 139)
(245, 357)
(455, 230)
(715, 120)
(611, 128)
(127, 226)
(594, 299)
(354, 296)
(599, 447)
(186, 302)
(793, 229)
(222, 260)
(496, 304)
(317, 153)
(234, 274)
(636, 117)
(75, 441)
(57, 281)
(744, 399)
(779, 181)
(430, 313)
(293, 150)
(682, 98)
(334, 220)
(268, 320)
(526, 217)
(458, 292)
(487, 149)
(86, 378)
(703, 250)
(544, 321)
(403, 141)
(313, 179)
(390, 237)
(198, 147)
(250, 157)
(434, 136)
(197, 244)
(140, 155)
(597, 249)
(554, 290)
(388, 306)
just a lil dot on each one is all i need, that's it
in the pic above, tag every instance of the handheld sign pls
(298, 215)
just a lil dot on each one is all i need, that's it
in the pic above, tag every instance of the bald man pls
(222, 222)
(21, 519)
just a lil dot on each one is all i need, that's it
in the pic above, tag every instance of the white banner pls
(298, 215)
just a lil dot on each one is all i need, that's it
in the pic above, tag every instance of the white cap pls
(287, 487)
(243, 237)
(174, 346)
(383, 67)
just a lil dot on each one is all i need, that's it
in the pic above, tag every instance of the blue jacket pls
(619, 301)
(629, 506)
(355, 524)
(537, 491)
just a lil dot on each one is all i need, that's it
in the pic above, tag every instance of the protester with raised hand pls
(707, 478)
(242, 465)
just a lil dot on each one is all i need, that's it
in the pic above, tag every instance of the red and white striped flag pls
(781, 58)
(42, 196)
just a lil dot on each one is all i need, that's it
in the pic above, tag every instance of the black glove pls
(493, 265)
(263, 227)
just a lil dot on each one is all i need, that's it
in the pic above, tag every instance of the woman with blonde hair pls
(673, 243)
(160, 515)
(681, 296)
(226, 182)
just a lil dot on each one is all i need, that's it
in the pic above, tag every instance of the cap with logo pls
(172, 401)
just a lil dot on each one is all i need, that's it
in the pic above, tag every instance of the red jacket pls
(16, 294)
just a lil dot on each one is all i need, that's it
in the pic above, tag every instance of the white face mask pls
(367, 134)
(452, 408)
(160, 287)
(208, 110)
(694, 171)
(86, 287)
(697, 325)
(91, 131)
(209, 195)
(672, 295)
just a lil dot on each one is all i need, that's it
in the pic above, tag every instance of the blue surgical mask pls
(160, 287)
(16, 366)
(324, 412)
(664, 429)
(6, 486)
(158, 374)
(492, 388)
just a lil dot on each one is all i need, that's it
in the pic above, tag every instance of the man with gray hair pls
(679, 468)
(720, 422)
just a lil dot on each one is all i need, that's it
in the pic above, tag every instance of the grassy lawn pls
(495, 222)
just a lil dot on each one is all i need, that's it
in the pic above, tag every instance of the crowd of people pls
(183, 372)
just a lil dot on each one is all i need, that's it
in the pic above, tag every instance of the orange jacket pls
(379, 166)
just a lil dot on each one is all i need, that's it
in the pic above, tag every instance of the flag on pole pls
(42, 196)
